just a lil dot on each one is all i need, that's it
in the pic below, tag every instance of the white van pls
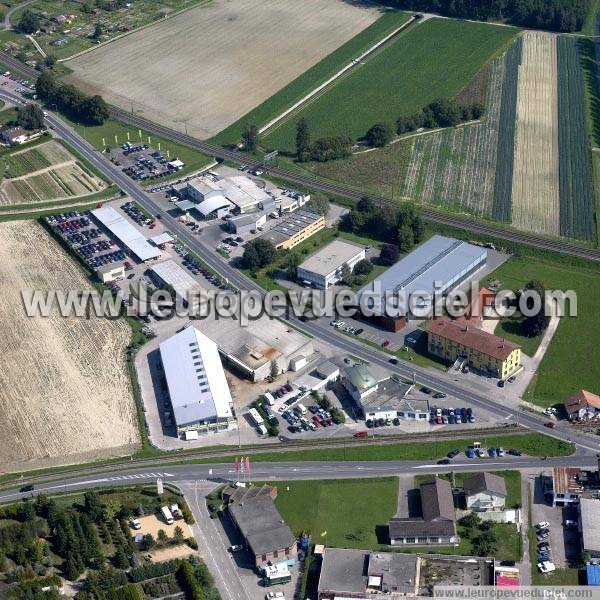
(301, 408)
(261, 429)
(269, 398)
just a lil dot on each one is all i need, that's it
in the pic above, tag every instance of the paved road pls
(317, 329)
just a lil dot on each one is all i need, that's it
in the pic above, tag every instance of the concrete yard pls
(65, 394)
(198, 70)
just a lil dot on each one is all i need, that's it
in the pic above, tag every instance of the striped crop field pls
(502, 204)
(535, 185)
(576, 188)
(456, 167)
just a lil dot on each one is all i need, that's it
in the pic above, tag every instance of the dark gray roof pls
(262, 525)
(348, 571)
(484, 482)
(399, 528)
(437, 501)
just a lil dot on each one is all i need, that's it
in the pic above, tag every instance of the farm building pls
(169, 273)
(246, 223)
(437, 526)
(456, 340)
(582, 405)
(294, 228)
(359, 382)
(196, 382)
(391, 402)
(440, 259)
(110, 272)
(485, 491)
(324, 268)
(251, 350)
(126, 233)
(266, 535)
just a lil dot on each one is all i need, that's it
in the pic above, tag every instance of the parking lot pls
(142, 162)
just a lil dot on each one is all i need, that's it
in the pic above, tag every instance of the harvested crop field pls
(65, 394)
(45, 172)
(535, 185)
(199, 70)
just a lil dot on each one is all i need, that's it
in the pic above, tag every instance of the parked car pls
(236, 548)
(453, 453)
(542, 525)
(26, 488)
(514, 452)
(361, 434)
(443, 461)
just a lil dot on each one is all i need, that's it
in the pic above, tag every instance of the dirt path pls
(67, 163)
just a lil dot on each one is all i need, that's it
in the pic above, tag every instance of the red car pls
(361, 434)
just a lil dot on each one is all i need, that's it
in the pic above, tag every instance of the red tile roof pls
(461, 332)
(582, 399)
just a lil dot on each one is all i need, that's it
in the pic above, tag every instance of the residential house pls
(582, 405)
(485, 491)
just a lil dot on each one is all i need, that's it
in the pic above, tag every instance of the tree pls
(330, 148)
(379, 135)
(346, 274)
(178, 535)
(250, 137)
(274, 369)
(98, 32)
(470, 520)
(302, 140)
(486, 544)
(92, 506)
(319, 203)
(94, 110)
(26, 511)
(30, 116)
(406, 238)
(50, 61)
(29, 22)
(46, 85)
(147, 542)
(162, 536)
(291, 265)
(362, 267)
(536, 324)
(258, 253)
(389, 255)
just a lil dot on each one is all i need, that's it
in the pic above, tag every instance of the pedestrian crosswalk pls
(140, 476)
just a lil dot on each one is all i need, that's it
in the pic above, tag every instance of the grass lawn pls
(565, 367)
(589, 27)
(353, 512)
(314, 77)
(533, 444)
(511, 329)
(106, 133)
(434, 59)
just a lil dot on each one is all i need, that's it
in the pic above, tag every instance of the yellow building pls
(485, 352)
(294, 228)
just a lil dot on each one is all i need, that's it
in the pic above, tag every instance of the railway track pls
(434, 216)
(296, 446)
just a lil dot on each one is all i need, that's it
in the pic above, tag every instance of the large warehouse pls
(324, 268)
(126, 233)
(251, 350)
(197, 386)
(171, 274)
(440, 259)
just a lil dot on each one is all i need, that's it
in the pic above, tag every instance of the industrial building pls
(267, 537)
(437, 526)
(246, 223)
(324, 268)
(440, 259)
(111, 272)
(251, 350)
(371, 575)
(294, 228)
(391, 402)
(169, 273)
(126, 233)
(457, 340)
(196, 382)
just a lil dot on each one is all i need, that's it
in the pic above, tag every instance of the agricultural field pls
(535, 182)
(144, 71)
(43, 173)
(436, 58)
(76, 34)
(576, 189)
(75, 403)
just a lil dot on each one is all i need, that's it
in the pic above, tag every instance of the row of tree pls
(90, 110)
(322, 149)
(439, 113)
(401, 226)
(557, 15)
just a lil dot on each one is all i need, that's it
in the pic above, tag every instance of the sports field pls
(436, 58)
(209, 66)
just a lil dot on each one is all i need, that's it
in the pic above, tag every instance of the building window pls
(276, 554)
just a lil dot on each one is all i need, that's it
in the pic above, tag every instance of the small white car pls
(271, 595)
(135, 524)
(542, 525)
(236, 548)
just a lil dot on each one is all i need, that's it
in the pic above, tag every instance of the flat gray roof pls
(289, 225)
(174, 275)
(391, 395)
(330, 258)
(590, 523)
(343, 570)
(438, 259)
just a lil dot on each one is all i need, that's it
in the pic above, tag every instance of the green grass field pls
(353, 512)
(510, 328)
(565, 367)
(114, 133)
(314, 77)
(435, 59)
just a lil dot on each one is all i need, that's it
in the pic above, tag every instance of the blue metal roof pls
(438, 259)
(593, 574)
